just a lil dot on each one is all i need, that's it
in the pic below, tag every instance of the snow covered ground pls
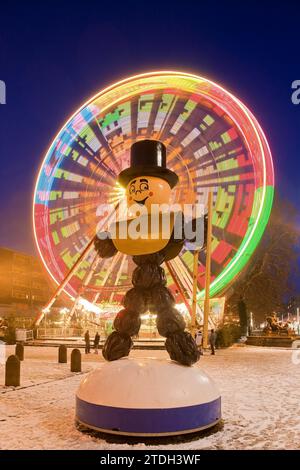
(260, 390)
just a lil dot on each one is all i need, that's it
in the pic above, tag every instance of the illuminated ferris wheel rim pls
(260, 136)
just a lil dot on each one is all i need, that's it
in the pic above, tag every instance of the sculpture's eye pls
(132, 189)
(144, 186)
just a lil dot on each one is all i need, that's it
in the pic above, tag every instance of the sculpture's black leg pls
(170, 323)
(116, 346)
(182, 348)
(127, 323)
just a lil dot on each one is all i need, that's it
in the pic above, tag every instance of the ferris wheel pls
(214, 144)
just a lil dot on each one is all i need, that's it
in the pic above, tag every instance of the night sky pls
(55, 55)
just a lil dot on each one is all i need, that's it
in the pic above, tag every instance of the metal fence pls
(43, 333)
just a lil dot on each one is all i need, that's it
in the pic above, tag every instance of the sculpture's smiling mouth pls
(142, 202)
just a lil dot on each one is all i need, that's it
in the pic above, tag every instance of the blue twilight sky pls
(54, 55)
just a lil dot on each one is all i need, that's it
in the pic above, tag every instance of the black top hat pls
(148, 158)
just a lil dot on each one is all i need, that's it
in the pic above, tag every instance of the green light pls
(248, 245)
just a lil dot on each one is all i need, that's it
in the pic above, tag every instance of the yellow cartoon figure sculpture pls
(148, 184)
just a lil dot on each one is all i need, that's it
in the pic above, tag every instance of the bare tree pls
(272, 275)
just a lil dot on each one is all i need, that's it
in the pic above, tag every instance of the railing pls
(68, 332)
(58, 333)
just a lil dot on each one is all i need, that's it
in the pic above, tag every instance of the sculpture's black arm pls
(104, 246)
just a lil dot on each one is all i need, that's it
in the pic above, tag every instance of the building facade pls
(24, 286)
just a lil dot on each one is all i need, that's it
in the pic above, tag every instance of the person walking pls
(87, 342)
(96, 342)
(199, 341)
(212, 341)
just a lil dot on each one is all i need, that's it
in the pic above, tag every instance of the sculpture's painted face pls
(148, 190)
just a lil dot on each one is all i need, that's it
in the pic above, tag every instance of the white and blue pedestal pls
(147, 397)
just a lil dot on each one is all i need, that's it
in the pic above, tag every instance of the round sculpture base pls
(147, 397)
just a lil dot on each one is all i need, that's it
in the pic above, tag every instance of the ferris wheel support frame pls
(85, 283)
(70, 274)
(207, 272)
(173, 275)
(65, 281)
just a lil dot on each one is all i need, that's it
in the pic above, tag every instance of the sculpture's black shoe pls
(182, 348)
(116, 346)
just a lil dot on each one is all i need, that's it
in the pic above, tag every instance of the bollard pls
(76, 361)
(12, 372)
(62, 354)
(20, 351)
